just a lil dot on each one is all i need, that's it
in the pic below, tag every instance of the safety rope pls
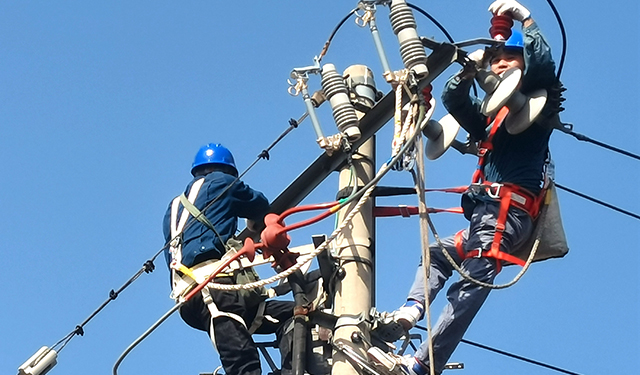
(398, 126)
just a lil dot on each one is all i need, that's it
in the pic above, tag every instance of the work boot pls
(412, 366)
(408, 314)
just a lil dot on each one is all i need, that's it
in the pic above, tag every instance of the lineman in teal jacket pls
(516, 159)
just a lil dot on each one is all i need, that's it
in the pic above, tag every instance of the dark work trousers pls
(238, 352)
(465, 297)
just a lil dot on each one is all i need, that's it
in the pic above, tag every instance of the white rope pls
(399, 129)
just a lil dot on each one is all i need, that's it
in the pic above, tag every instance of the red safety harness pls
(508, 194)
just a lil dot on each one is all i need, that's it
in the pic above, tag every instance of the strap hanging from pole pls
(419, 180)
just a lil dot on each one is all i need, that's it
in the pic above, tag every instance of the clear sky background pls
(103, 105)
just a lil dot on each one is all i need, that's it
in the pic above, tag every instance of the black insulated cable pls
(325, 48)
(636, 216)
(432, 19)
(79, 329)
(584, 138)
(511, 355)
(521, 358)
(564, 37)
(444, 31)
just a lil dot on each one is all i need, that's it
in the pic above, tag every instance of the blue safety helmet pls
(213, 153)
(515, 41)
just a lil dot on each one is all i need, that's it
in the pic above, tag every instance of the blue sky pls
(103, 105)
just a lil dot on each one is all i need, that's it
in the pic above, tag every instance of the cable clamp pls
(351, 321)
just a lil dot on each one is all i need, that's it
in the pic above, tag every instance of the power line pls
(584, 138)
(636, 216)
(149, 266)
(515, 356)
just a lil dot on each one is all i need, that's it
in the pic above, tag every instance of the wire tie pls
(293, 122)
(112, 294)
(264, 155)
(79, 331)
(149, 266)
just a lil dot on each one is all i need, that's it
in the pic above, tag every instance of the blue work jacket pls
(200, 243)
(518, 159)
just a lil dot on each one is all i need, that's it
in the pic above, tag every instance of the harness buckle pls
(493, 190)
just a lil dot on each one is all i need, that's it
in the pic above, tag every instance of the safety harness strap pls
(175, 247)
(178, 226)
(458, 241)
(508, 195)
(216, 313)
(195, 212)
(487, 145)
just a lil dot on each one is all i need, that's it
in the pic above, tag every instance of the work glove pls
(477, 56)
(517, 10)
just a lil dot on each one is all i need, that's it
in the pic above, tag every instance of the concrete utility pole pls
(354, 293)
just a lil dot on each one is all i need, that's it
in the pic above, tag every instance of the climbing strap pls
(216, 313)
(195, 212)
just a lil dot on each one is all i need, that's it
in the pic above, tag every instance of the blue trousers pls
(464, 297)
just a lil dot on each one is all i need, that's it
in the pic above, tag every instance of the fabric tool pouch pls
(246, 275)
(553, 242)
(251, 297)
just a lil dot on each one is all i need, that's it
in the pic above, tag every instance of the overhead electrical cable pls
(515, 356)
(636, 216)
(582, 137)
(564, 38)
(325, 48)
(521, 358)
(149, 266)
(433, 19)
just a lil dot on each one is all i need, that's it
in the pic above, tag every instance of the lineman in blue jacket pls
(228, 317)
(514, 159)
